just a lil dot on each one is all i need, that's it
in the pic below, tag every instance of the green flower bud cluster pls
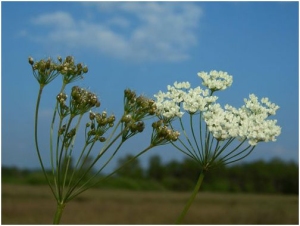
(44, 70)
(133, 125)
(63, 109)
(98, 125)
(47, 70)
(68, 136)
(70, 70)
(82, 101)
(162, 134)
(136, 109)
(139, 107)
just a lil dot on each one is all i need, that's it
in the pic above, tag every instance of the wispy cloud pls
(155, 31)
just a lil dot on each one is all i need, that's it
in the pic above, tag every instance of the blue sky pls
(147, 46)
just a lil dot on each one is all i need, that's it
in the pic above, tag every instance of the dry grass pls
(35, 205)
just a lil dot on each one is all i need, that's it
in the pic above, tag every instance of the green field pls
(24, 204)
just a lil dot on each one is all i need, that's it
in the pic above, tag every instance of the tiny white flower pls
(182, 85)
(216, 80)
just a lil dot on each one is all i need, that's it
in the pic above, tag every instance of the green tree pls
(156, 170)
(132, 170)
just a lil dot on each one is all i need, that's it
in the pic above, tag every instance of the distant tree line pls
(275, 176)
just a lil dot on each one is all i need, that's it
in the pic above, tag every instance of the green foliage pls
(132, 170)
(275, 176)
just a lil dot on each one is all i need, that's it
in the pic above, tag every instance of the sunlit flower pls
(258, 128)
(248, 122)
(197, 100)
(216, 80)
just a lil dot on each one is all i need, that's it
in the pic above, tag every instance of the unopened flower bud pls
(93, 126)
(48, 64)
(111, 119)
(69, 59)
(85, 69)
(102, 139)
(30, 60)
(126, 118)
(92, 115)
(140, 126)
(133, 128)
(79, 66)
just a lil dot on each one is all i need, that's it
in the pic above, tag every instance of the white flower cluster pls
(248, 122)
(169, 104)
(197, 100)
(216, 80)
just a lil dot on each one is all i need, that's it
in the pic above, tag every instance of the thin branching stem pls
(228, 154)
(193, 134)
(59, 158)
(190, 154)
(226, 161)
(109, 175)
(201, 136)
(36, 138)
(51, 138)
(185, 135)
(83, 186)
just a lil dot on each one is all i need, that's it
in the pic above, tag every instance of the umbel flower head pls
(248, 123)
(179, 96)
(82, 101)
(136, 109)
(162, 134)
(46, 70)
(70, 70)
(98, 126)
(216, 80)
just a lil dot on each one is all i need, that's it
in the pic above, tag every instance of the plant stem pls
(59, 210)
(36, 137)
(191, 199)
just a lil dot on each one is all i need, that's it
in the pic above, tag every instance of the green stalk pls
(109, 138)
(59, 210)
(200, 134)
(109, 175)
(225, 161)
(77, 170)
(189, 153)
(191, 199)
(36, 137)
(186, 136)
(84, 186)
(193, 133)
(51, 141)
(103, 150)
(59, 161)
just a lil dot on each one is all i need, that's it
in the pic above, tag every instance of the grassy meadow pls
(27, 204)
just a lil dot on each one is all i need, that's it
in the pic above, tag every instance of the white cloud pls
(155, 31)
(60, 19)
